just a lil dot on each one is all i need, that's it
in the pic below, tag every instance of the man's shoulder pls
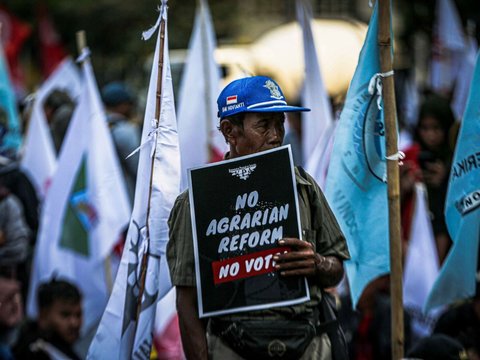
(183, 197)
(304, 178)
(181, 205)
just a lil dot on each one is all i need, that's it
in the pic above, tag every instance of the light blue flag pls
(462, 209)
(356, 187)
(10, 136)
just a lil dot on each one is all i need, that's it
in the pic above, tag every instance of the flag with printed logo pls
(86, 208)
(356, 181)
(462, 209)
(317, 124)
(200, 140)
(39, 158)
(127, 326)
(10, 133)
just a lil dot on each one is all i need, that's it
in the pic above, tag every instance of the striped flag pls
(126, 328)
(86, 208)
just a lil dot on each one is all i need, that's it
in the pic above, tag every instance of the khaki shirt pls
(319, 227)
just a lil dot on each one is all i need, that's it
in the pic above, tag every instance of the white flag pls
(448, 47)
(39, 159)
(464, 79)
(166, 338)
(317, 125)
(200, 140)
(120, 334)
(86, 208)
(421, 266)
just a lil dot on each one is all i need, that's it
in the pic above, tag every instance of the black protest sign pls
(240, 209)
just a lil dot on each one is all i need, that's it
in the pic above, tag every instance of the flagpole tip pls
(81, 40)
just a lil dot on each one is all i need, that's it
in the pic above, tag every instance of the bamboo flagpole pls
(107, 263)
(384, 42)
(158, 103)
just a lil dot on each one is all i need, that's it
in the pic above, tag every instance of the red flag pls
(14, 33)
(52, 51)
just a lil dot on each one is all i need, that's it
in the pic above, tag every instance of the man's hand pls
(302, 260)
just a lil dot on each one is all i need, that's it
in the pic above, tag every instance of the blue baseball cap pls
(116, 93)
(256, 94)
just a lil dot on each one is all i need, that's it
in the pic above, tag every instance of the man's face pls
(63, 318)
(261, 131)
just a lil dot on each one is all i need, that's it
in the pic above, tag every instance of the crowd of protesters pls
(455, 335)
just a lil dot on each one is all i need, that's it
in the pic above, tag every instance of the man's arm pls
(303, 260)
(191, 327)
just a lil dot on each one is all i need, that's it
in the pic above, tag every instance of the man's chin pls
(268, 148)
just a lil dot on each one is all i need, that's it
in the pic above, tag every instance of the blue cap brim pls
(283, 108)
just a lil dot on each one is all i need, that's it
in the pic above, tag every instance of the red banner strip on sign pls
(245, 266)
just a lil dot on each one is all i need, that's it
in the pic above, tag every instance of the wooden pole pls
(82, 44)
(81, 41)
(158, 103)
(384, 42)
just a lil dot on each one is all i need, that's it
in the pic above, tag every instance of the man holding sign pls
(252, 114)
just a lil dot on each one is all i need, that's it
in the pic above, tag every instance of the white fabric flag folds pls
(86, 208)
(448, 47)
(421, 266)
(39, 159)
(121, 335)
(317, 124)
(200, 140)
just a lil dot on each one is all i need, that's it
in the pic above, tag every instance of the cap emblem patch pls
(274, 90)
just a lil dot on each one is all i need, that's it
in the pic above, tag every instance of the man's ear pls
(228, 131)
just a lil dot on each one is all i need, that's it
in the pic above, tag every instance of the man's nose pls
(275, 134)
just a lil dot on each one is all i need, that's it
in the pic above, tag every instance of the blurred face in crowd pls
(64, 318)
(431, 132)
(260, 131)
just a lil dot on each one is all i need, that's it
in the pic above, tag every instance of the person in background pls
(429, 160)
(293, 136)
(462, 322)
(120, 105)
(58, 108)
(14, 234)
(438, 347)
(57, 327)
(11, 313)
